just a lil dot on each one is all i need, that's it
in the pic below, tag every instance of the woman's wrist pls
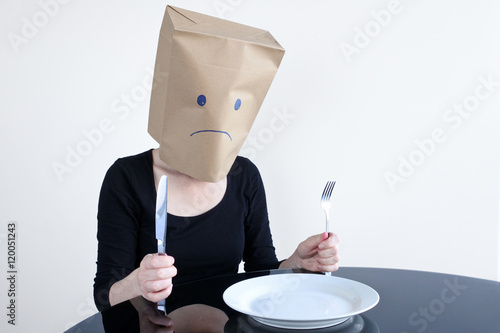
(293, 262)
(125, 289)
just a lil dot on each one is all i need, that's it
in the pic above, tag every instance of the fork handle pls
(327, 273)
(327, 231)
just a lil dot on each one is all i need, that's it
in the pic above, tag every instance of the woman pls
(211, 77)
(230, 215)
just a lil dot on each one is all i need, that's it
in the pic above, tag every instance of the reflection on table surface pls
(355, 324)
(410, 301)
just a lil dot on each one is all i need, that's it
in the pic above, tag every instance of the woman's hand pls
(151, 320)
(154, 277)
(318, 253)
(152, 280)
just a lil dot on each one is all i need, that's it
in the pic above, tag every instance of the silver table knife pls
(161, 222)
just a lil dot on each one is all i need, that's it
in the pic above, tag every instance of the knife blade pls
(161, 222)
(161, 214)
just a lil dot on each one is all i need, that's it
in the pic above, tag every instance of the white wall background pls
(71, 67)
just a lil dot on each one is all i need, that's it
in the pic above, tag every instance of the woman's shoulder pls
(138, 161)
(143, 157)
(244, 174)
(243, 165)
(131, 167)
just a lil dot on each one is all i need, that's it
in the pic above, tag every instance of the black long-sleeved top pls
(213, 243)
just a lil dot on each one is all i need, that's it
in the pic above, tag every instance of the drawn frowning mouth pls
(212, 131)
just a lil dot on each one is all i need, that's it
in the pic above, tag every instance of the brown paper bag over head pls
(211, 77)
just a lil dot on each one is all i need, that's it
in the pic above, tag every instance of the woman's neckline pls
(194, 216)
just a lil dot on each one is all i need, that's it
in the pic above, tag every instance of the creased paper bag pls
(211, 77)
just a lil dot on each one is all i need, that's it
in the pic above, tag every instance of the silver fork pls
(326, 202)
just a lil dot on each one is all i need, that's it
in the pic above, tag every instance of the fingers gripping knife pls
(161, 222)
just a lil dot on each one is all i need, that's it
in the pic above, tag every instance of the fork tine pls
(327, 192)
(332, 185)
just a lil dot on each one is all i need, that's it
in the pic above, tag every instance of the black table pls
(410, 302)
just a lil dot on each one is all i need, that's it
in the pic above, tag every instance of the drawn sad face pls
(209, 112)
(202, 100)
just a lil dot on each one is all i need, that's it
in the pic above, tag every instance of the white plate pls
(300, 301)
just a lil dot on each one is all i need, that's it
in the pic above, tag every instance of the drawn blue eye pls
(237, 105)
(202, 100)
